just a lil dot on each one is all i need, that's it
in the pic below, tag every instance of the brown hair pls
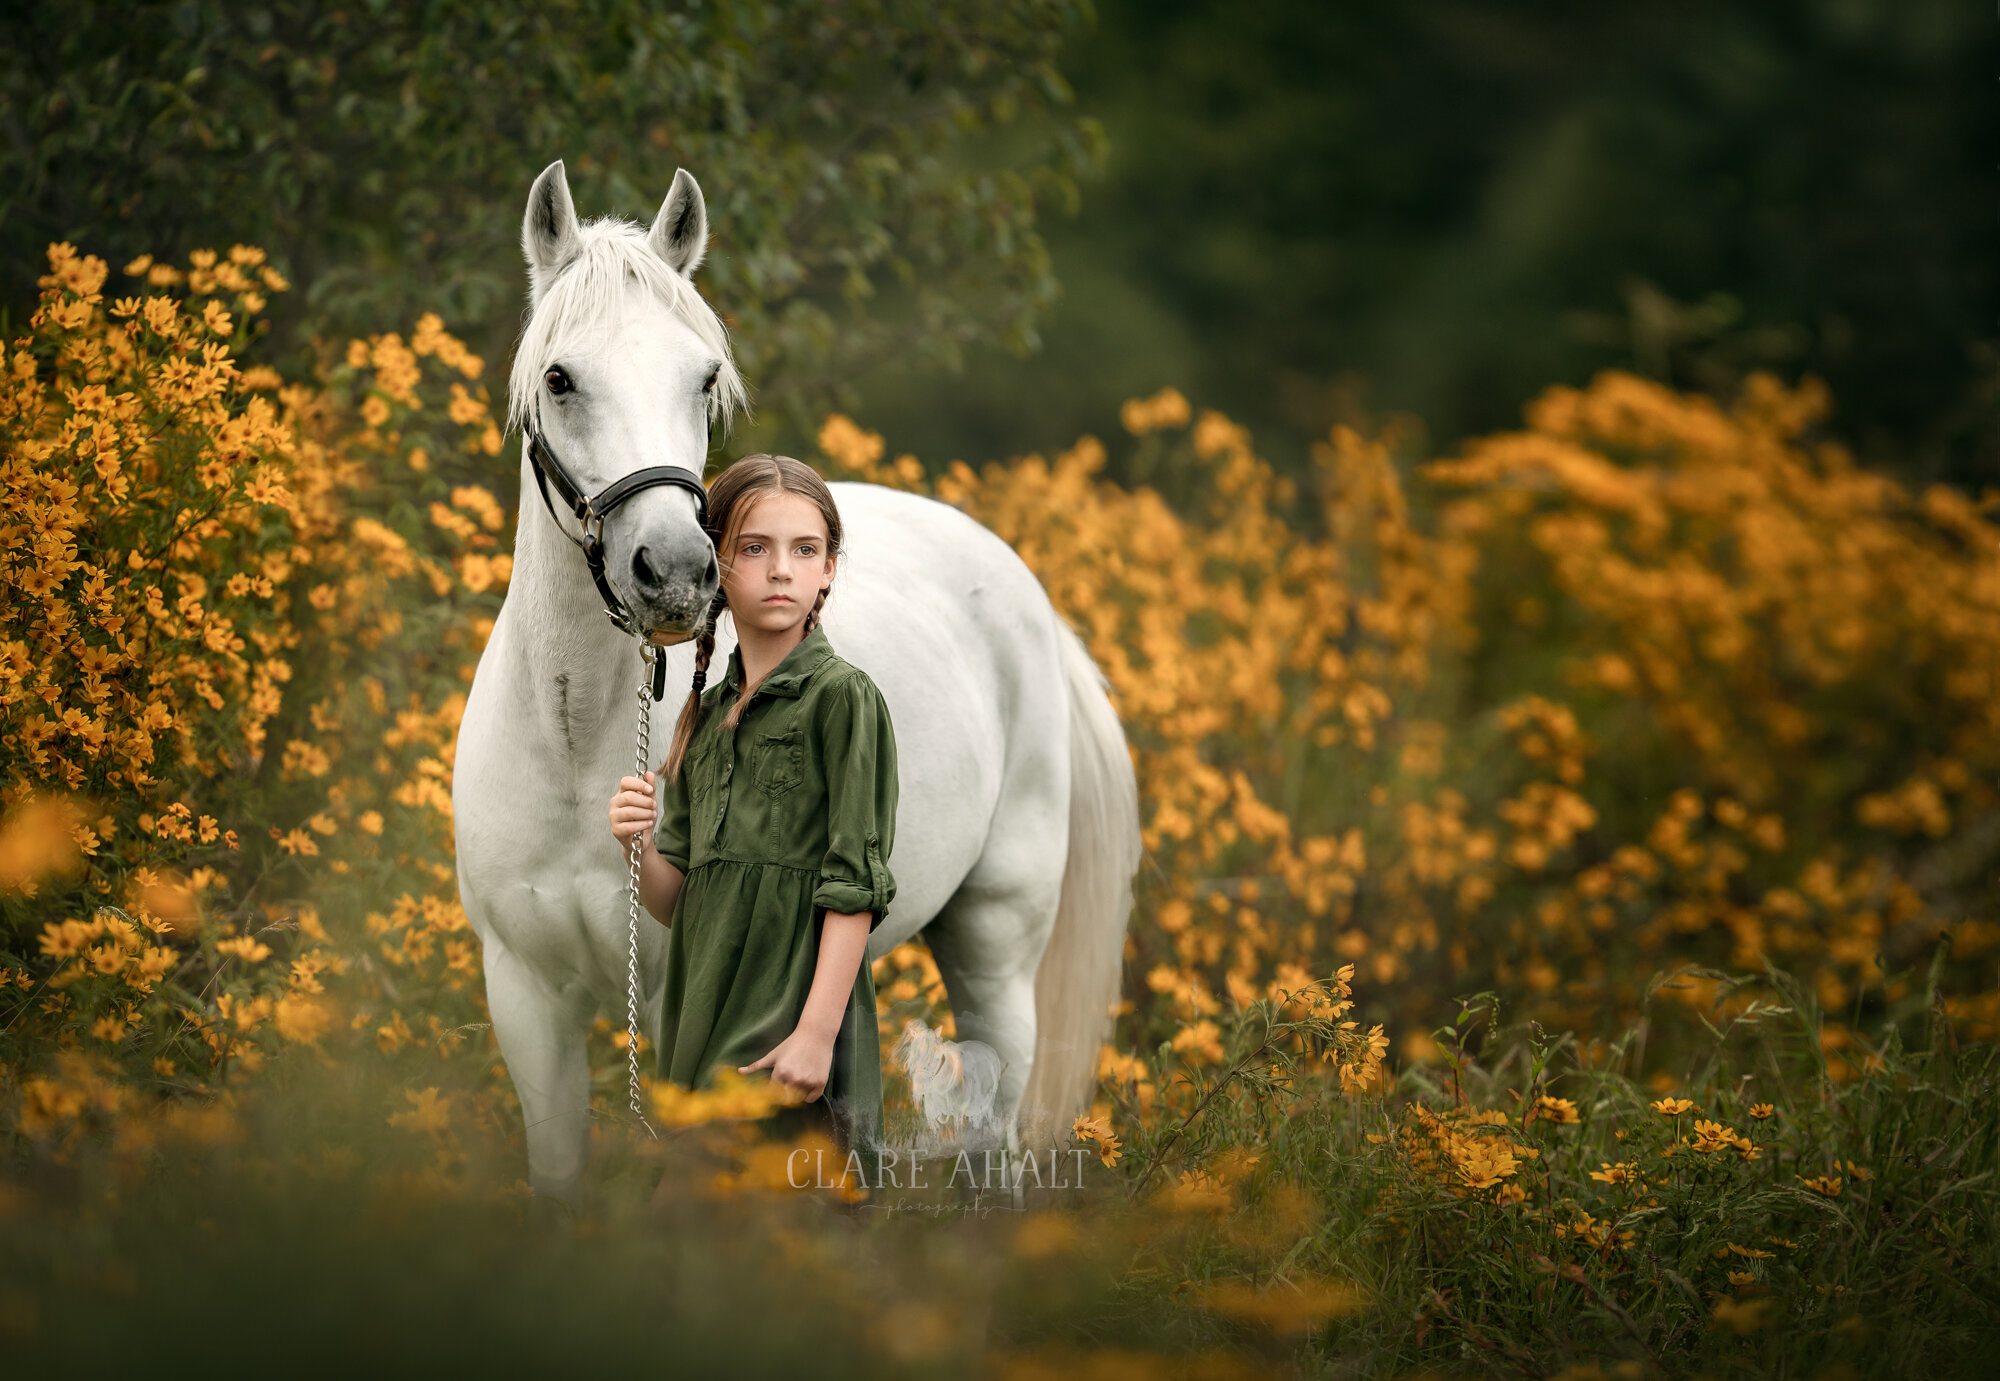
(730, 498)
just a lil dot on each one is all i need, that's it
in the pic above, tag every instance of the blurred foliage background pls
(1304, 213)
(863, 205)
(1437, 207)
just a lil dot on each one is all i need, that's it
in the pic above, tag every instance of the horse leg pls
(988, 942)
(542, 1039)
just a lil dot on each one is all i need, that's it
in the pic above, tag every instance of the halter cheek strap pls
(592, 511)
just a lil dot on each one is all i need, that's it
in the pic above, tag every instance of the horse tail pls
(1077, 987)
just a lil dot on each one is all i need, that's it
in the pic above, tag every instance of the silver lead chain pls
(648, 653)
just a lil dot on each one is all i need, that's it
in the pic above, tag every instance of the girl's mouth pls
(778, 599)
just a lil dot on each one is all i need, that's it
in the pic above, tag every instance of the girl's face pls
(778, 564)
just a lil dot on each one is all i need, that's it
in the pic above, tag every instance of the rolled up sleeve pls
(858, 744)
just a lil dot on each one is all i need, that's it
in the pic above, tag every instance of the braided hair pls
(730, 498)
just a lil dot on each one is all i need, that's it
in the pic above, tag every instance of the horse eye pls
(557, 381)
(709, 384)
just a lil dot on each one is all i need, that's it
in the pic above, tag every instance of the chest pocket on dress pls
(779, 764)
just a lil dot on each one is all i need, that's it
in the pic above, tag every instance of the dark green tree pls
(874, 169)
(1441, 206)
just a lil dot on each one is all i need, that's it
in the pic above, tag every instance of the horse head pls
(621, 372)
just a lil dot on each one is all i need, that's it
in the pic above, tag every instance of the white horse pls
(1017, 833)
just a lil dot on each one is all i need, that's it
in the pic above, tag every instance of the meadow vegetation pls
(1658, 727)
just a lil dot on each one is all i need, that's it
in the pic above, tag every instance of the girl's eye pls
(558, 381)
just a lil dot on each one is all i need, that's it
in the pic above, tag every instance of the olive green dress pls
(789, 816)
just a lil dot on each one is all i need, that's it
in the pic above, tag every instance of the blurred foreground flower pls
(1287, 1307)
(732, 1097)
(37, 839)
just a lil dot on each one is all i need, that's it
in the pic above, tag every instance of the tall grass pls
(1523, 1207)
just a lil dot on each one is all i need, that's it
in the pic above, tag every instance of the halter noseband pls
(592, 511)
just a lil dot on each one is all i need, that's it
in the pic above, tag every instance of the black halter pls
(593, 511)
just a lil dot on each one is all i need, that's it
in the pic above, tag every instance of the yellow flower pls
(245, 947)
(1283, 1308)
(1710, 1137)
(1761, 1111)
(302, 1020)
(1557, 1109)
(1195, 1191)
(848, 445)
(1167, 408)
(1200, 1042)
(1742, 1316)
(1097, 1131)
(1672, 1107)
(732, 1097)
(428, 1113)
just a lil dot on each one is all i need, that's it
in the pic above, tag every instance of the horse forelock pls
(575, 313)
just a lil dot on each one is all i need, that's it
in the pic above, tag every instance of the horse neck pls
(576, 662)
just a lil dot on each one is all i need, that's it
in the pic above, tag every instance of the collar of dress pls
(792, 669)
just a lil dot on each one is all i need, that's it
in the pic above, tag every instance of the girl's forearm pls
(843, 940)
(659, 882)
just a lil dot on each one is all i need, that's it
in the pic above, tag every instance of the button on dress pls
(788, 816)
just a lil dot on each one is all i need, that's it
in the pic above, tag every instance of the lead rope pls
(647, 694)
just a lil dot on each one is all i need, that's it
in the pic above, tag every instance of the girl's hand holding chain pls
(633, 809)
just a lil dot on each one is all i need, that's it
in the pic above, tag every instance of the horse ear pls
(549, 231)
(680, 232)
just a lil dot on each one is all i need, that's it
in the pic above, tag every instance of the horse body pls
(1017, 829)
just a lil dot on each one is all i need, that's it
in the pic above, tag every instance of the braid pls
(812, 614)
(704, 649)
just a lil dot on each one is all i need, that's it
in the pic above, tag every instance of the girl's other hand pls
(633, 810)
(799, 1065)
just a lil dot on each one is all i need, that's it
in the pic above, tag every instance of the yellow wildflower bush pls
(1374, 716)
(212, 606)
(1449, 1151)
(1801, 651)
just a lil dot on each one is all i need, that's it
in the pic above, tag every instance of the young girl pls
(772, 824)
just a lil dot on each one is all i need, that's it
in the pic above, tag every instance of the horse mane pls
(612, 253)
